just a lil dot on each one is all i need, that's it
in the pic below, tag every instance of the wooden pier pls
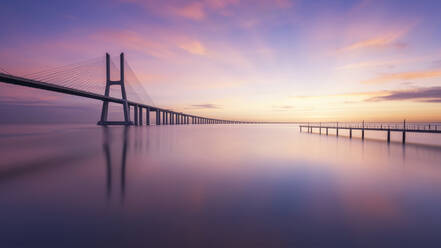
(402, 128)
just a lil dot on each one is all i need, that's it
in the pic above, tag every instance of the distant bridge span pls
(163, 116)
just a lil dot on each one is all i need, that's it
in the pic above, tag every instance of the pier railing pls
(403, 127)
(419, 126)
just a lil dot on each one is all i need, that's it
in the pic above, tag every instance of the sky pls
(280, 60)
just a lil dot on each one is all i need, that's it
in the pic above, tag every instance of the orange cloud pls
(404, 76)
(386, 39)
(380, 41)
(350, 94)
(194, 47)
(157, 43)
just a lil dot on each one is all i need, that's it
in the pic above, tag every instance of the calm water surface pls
(214, 186)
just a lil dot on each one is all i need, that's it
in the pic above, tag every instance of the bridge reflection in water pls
(107, 138)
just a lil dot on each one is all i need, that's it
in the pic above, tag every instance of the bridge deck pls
(10, 79)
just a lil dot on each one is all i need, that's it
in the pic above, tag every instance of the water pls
(214, 186)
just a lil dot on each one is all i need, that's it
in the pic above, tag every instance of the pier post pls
(362, 131)
(147, 116)
(320, 129)
(404, 132)
(388, 135)
(337, 130)
(326, 131)
(350, 133)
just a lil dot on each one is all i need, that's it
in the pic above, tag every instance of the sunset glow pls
(283, 60)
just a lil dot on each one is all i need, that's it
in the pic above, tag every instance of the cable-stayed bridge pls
(86, 79)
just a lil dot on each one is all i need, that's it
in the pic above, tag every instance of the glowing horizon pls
(260, 60)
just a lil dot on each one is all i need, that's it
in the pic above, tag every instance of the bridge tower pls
(105, 109)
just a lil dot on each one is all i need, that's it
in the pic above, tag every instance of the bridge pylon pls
(105, 108)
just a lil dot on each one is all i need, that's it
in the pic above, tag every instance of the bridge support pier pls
(388, 136)
(158, 117)
(326, 131)
(135, 112)
(140, 116)
(105, 108)
(350, 133)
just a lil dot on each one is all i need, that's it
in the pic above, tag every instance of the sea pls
(244, 185)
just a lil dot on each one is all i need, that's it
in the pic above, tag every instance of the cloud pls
(404, 76)
(158, 43)
(421, 94)
(368, 64)
(349, 94)
(194, 47)
(429, 94)
(279, 108)
(437, 63)
(283, 107)
(206, 106)
(381, 41)
(194, 11)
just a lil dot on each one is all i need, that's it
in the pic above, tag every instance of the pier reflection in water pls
(214, 186)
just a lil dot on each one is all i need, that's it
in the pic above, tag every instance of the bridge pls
(163, 116)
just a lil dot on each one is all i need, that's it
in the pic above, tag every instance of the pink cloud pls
(194, 11)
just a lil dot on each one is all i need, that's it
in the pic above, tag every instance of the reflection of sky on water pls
(214, 186)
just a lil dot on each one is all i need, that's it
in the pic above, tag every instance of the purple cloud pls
(429, 94)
